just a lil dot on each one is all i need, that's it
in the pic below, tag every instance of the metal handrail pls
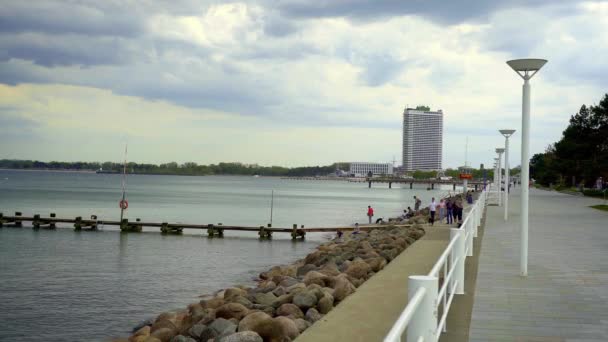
(406, 316)
(468, 230)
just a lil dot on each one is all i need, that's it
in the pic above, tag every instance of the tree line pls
(173, 168)
(581, 155)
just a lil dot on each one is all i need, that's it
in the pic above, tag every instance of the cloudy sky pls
(287, 82)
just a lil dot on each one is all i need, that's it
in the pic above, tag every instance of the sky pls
(288, 82)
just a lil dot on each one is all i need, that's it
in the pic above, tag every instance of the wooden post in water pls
(390, 185)
(294, 231)
(1, 219)
(210, 230)
(36, 222)
(78, 223)
(124, 225)
(411, 185)
(52, 224)
(164, 228)
(18, 222)
(220, 230)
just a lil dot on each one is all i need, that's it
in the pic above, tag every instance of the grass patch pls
(603, 207)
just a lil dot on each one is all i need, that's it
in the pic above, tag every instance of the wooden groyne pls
(477, 184)
(213, 230)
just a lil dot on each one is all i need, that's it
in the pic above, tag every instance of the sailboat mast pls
(124, 185)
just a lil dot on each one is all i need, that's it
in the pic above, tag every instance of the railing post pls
(458, 253)
(424, 321)
(471, 230)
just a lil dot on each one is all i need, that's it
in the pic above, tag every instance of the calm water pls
(63, 285)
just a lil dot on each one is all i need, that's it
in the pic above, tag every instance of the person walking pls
(441, 210)
(433, 209)
(449, 206)
(458, 210)
(370, 213)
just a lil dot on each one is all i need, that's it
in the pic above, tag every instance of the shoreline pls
(286, 299)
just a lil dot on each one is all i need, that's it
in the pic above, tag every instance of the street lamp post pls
(526, 69)
(500, 151)
(507, 133)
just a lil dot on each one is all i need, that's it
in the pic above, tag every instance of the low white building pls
(361, 169)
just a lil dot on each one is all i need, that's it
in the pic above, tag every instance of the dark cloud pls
(79, 17)
(449, 12)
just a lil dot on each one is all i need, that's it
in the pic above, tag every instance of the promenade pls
(565, 296)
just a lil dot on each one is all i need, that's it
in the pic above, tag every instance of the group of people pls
(449, 208)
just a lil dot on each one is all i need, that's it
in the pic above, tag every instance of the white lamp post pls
(500, 151)
(507, 133)
(526, 69)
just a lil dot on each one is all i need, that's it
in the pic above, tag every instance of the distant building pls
(359, 169)
(422, 139)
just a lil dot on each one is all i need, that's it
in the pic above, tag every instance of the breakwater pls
(287, 299)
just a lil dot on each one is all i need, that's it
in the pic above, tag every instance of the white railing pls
(428, 296)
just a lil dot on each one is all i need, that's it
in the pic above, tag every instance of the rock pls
(212, 303)
(296, 288)
(279, 291)
(204, 317)
(145, 331)
(152, 339)
(389, 254)
(376, 264)
(268, 329)
(217, 328)
(328, 291)
(143, 323)
(330, 269)
(163, 334)
(289, 270)
(137, 339)
(241, 300)
(233, 292)
(325, 304)
(182, 338)
(358, 269)
(264, 308)
(265, 298)
(289, 326)
(305, 300)
(288, 281)
(197, 330)
(243, 336)
(162, 324)
(282, 300)
(343, 288)
(250, 321)
(302, 324)
(166, 316)
(267, 286)
(314, 277)
(290, 310)
(302, 271)
(312, 315)
(231, 310)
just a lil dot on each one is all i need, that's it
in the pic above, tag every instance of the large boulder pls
(233, 292)
(290, 310)
(253, 319)
(288, 281)
(241, 300)
(217, 328)
(312, 315)
(305, 300)
(296, 288)
(342, 288)
(358, 269)
(212, 303)
(243, 336)
(144, 331)
(231, 310)
(376, 264)
(282, 300)
(302, 324)
(329, 269)
(265, 298)
(196, 331)
(182, 338)
(163, 324)
(314, 277)
(325, 304)
(279, 291)
(303, 270)
(266, 286)
(288, 326)
(163, 334)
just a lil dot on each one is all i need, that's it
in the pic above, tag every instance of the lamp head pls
(500, 150)
(526, 67)
(506, 132)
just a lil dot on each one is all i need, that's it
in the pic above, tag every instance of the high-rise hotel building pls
(422, 139)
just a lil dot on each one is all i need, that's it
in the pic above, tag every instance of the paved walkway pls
(565, 296)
